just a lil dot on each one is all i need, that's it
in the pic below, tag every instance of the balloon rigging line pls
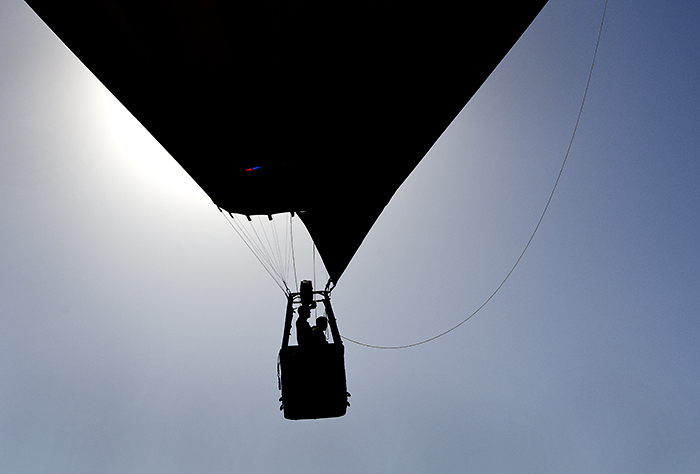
(561, 170)
(294, 262)
(281, 261)
(287, 256)
(284, 257)
(257, 253)
(265, 245)
(269, 245)
(273, 268)
(264, 249)
(313, 258)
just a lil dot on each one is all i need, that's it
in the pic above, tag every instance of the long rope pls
(561, 170)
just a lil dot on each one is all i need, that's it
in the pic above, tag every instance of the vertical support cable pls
(313, 249)
(294, 262)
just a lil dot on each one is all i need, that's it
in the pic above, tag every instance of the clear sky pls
(139, 335)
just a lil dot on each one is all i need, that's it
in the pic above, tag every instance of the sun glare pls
(142, 150)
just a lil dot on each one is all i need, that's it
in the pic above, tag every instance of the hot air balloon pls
(264, 103)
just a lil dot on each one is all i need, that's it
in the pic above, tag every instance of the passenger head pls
(304, 312)
(322, 323)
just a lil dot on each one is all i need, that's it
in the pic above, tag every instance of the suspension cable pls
(532, 236)
(258, 253)
(294, 262)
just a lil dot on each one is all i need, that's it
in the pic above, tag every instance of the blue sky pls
(138, 333)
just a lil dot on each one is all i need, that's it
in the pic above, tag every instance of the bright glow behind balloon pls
(143, 151)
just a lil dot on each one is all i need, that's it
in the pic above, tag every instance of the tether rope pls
(561, 170)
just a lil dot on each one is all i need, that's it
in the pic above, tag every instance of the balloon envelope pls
(264, 102)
